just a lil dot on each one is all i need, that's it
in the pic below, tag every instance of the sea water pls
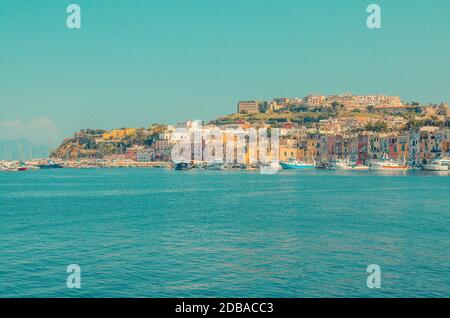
(165, 233)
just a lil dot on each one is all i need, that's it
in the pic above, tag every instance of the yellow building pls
(315, 100)
(287, 153)
(117, 134)
(403, 147)
(301, 154)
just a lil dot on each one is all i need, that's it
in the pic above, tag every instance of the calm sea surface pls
(163, 233)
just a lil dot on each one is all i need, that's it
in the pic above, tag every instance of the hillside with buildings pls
(316, 126)
(124, 143)
(315, 109)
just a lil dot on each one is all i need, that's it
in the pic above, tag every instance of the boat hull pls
(296, 166)
(182, 166)
(50, 166)
(358, 168)
(214, 167)
(435, 168)
(389, 168)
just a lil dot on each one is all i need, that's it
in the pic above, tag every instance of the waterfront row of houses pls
(136, 153)
(416, 146)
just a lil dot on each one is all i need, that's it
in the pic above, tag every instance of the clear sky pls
(138, 62)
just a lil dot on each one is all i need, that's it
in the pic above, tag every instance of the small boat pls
(198, 165)
(216, 165)
(270, 167)
(182, 166)
(50, 165)
(228, 166)
(340, 164)
(324, 166)
(440, 164)
(388, 164)
(23, 166)
(11, 168)
(233, 166)
(295, 164)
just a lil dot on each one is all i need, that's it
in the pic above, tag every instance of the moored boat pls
(216, 165)
(340, 164)
(388, 164)
(296, 164)
(182, 166)
(50, 165)
(198, 165)
(270, 167)
(440, 164)
(324, 166)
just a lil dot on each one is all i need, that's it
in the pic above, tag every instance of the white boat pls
(233, 166)
(9, 166)
(341, 164)
(440, 164)
(270, 167)
(216, 165)
(389, 164)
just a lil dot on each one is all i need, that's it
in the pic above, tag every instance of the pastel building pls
(315, 100)
(287, 152)
(414, 147)
(363, 148)
(145, 155)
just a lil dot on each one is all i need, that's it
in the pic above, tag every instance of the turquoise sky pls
(138, 62)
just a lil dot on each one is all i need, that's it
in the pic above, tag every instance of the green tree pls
(379, 126)
(263, 107)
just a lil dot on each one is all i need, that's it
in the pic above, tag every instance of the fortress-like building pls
(346, 101)
(350, 102)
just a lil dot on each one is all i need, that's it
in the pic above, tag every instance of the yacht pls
(340, 164)
(440, 164)
(387, 163)
(50, 165)
(216, 165)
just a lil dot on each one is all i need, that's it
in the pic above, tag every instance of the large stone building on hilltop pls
(248, 107)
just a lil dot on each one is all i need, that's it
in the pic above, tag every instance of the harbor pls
(33, 165)
(441, 164)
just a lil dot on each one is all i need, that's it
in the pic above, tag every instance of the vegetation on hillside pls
(88, 143)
